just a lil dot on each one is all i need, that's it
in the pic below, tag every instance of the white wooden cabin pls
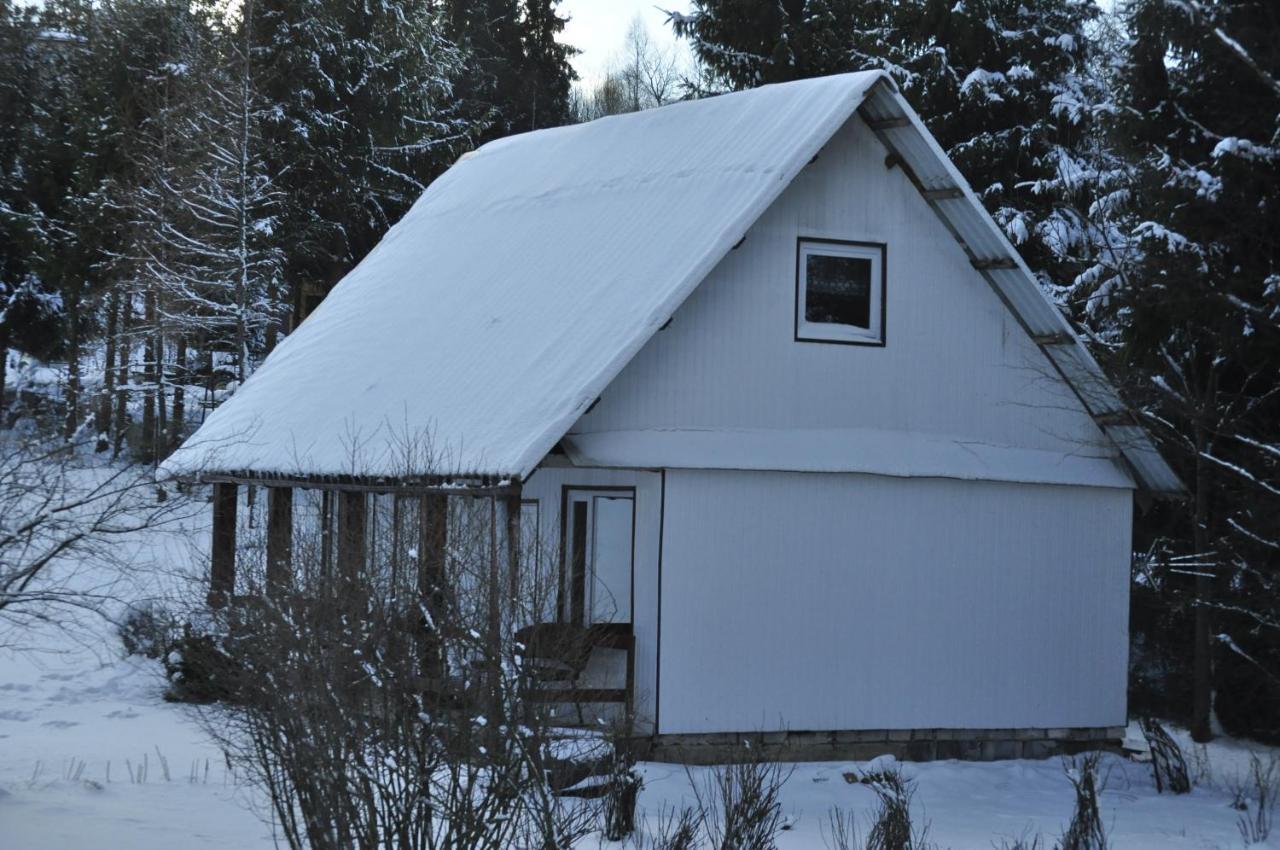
(780, 399)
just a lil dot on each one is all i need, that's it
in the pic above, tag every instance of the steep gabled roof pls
(527, 276)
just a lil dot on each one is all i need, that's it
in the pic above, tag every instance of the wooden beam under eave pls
(951, 193)
(279, 540)
(880, 124)
(222, 554)
(996, 263)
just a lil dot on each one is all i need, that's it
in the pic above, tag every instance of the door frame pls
(578, 613)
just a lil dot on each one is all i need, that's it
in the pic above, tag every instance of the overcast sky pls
(597, 28)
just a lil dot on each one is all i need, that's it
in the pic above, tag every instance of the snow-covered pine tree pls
(517, 75)
(205, 208)
(29, 311)
(1192, 311)
(359, 117)
(164, 150)
(993, 80)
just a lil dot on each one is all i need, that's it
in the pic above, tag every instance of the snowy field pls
(92, 757)
(65, 719)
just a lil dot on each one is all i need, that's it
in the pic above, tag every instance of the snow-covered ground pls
(65, 720)
(86, 740)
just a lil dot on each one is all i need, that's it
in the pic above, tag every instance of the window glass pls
(838, 291)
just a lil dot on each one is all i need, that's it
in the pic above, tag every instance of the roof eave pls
(944, 189)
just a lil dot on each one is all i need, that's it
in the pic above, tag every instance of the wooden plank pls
(222, 556)
(950, 193)
(1113, 418)
(511, 505)
(433, 539)
(485, 485)
(879, 124)
(566, 695)
(1053, 339)
(997, 263)
(279, 539)
(578, 567)
(352, 525)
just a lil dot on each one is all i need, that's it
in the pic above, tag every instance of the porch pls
(470, 559)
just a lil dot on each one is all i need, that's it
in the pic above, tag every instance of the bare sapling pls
(1257, 797)
(376, 693)
(1086, 830)
(739, 803)
(65, 520)
(1167, 764)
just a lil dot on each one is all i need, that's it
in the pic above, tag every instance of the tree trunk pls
(179, 417)
(123, 353)
(162, 409)
(1202, 677)
(102, 418)
(150, 359)
(72, 420)
(4, 374)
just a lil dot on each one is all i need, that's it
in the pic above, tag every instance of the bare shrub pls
(1086, 831)
(1258, 794)
(674, 829)
(739, 804)
(382, 704)
(623, 792)
(891, 827)
(840, 832)
(1026, 841)
(1167, 764)
(64, 519)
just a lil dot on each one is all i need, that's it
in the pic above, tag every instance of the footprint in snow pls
(14, 714)
(123, 714)
(60, 724)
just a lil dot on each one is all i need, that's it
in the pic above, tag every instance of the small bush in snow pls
(676, 829)
(1086, 831)
(148, 630)
(739, 804)
(841, 831)
(1167, 764)
(1026, 841)
(1259, 794)
(624, 790)
(891, 827)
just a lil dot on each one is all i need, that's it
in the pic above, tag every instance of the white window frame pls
(807, 331)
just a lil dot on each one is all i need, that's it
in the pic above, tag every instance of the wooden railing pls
(558, 653)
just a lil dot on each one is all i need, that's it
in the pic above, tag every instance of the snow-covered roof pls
(526, 277)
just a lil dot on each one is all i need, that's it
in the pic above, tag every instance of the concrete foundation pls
(860, 745)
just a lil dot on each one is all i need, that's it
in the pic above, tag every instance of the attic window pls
(840, 292)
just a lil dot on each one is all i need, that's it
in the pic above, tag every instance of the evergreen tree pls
(996, 81)
(1193, 315)
(29, 311)
(517, 76)
(358, 119)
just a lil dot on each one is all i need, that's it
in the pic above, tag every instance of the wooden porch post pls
(433, 537)
(513, 543)
(279, 540)
(222, 560)
(352, 515)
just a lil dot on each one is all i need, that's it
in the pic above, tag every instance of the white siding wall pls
(955, 364)
(821, 602)
(545, 486)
